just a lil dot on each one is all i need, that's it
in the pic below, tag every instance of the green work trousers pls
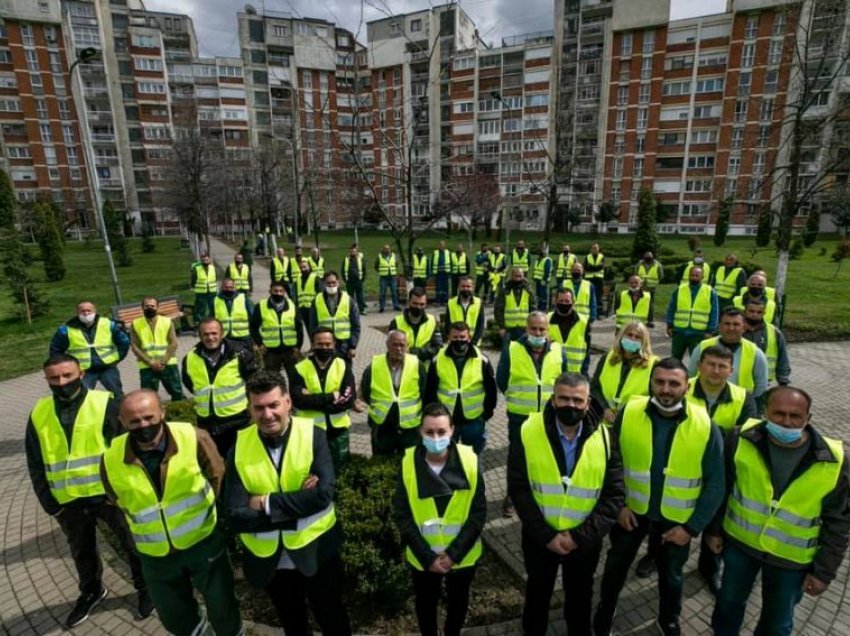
(338, 442)
(169, 376)
(204, 307)
(685, 342)
(204, 567)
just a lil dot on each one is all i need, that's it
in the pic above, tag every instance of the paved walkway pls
(38, 582)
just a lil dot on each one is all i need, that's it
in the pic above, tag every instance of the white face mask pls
(332, 290)
(86, 319)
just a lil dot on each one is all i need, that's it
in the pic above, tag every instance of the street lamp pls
(85, 56)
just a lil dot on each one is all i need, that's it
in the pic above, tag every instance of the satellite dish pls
(250, 10)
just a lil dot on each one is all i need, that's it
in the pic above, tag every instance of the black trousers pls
(577, 571)
(427, 587)
(599, 290)
(671, 561)
(290, 591)
(80, 528)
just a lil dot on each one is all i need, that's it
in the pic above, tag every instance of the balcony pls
(100, 138)
(99, 116)
(96, 91)
(109, 182)
(107, 161)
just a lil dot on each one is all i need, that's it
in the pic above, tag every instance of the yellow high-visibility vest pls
(420, 266)
(581, 297)
(346, 265)
(459, 265)
(333, 382)
(235, 319)
(317, 267)
(383, 395)
(340, 322)
(516, 313)
(225, 396)
(627, 313)
(154, 343)
(278, 330)
(595, 260)
(576, 344)
(727, 413)
(650, 276)
(706, 271)
(422, 337)
(205, 279)
(744, 372)
(565, 265)
(444, 266)
(637, 381)
(103, 345)
(241, 277)
(521, 260)
(528, 392)
(540, 269)
(468, 315)
(468, 388)
(386, 265)
(726, 283)
(280, 267)
(305, 291)
(692, 314)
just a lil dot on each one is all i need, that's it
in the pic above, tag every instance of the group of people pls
(641, 448)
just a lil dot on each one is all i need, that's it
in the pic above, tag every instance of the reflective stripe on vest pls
(423, 335)
(576, 344)
(565, 265)
(706, 271)
(346, 264)
(692, 315)
(790, 527)
(280, 269)
(517, 313)
(637, 381)
(469, 388)
(469, 315)
(523, 261)
(340, 322)
(278, 330)
(725, 414)
(153, 343)
(726, 285)
(333, 382)
(459, 265)
(440, 532)
(627, 313)
(497, 261)
(317, 267)
(72, 469)
(102, 343)
(305, 291)
(205, 279)
(564, 501)
(540, 269)
(481, 267)
(420, 266)
(260, 477)
(683, 473)
(742, 374)
(649, 275)
(386, 265)
(241, 277)
(184, 515)
(527, 392)
(383, 394)
(235, 320)
(443, 266)
(581, 299)
(771, 351)
(595, 260)
(226, 392)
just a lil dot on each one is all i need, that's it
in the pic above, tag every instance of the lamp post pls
(296, 202)
(85, 56)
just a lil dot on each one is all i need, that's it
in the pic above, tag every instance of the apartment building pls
(41, 137)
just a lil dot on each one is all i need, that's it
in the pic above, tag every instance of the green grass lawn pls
(163, 272)
(817, 299)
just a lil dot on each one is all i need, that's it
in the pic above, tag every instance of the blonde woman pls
(625, 369)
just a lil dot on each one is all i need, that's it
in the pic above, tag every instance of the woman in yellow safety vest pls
(625, 370)
(440, 509)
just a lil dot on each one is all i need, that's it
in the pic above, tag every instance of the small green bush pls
(182, 411)
(796, 250)
(376, 572)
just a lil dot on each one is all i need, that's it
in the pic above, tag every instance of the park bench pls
(169, 306)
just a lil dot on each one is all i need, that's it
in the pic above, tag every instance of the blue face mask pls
(630, 346)
(436, 446)
(782, 434)
(537, 341)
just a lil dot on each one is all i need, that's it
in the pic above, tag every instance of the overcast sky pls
(215, 20)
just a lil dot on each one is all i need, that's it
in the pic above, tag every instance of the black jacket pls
(247, 368)
(835, 512)
(440, 488)
(285, 509)
(256, 323)
(491, 391)
(611, 500)
(366, 394)
(66, 412)
(323, 401)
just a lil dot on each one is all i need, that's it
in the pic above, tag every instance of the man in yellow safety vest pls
(513, 304)
(335, 309)
(651, 273)
(233, 310)
(154, 341)
(387, 268)
(770, 340)
(204, 282)
(441, 269)
(423, 337)
(466, 308)
(594, 271)
(241, 274)
(727, 279)
(460, 267)
(691, 314)
(786, 514)
(280, 491)
(276, 330)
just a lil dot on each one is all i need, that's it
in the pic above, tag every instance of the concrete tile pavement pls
(38, 582)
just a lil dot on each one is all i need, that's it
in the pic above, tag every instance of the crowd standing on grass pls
(721, 448)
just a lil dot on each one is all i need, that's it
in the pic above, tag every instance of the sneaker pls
(85, 604)
(146, 607)
(668, 629)
(508, 509)
(646, 567)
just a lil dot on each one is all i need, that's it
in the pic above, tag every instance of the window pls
(734, 166)
(258, 57)
(669, 163)
(18, 152)
(67, 134)
(537, 100)
(671, 139)
(32, 59)
(143, 41)
(280, 30)
(8, 81)
(489, 127)
(44, 130)
(703, 136)
(676, 88)
(763, 136)
(758, 163)
(588, 93)
(537, 77)
(625, 71)
(711, 85)
(10, 105)
(640, 144)
(151, 88)
(694, 209)
(464, 107)
(462, 63)
(766, 109)
(229, 71)
(50, 155)
(73, 159)
(679, 62)
(745, 80)
(642, 118)
(27, 35)
(648, 41)
(706, 112)
(646, 68)
(774, 54)
(55, 62)
(41, 109)
(716, 58)
(737, 137)
(256, 32)
(626, 44)
(701, 161)
(643, 97)
(621, 120)
(779, 22)
(637, 168)
(731, 187)
(511, 125)
(147, 64)
(615, 194)
(415, 26)
(748, 55)
(618, 167)
(260, 77)
(741, 110)
(698, 185)
(752, 28)
(5, 56)
(622, 95)
(771, 81)
(59, 85)
(619, 144)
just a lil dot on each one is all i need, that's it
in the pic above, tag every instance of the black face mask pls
(466, 295)
(755, 291)
(563, 309)
(147, 434)
(228, 294)
(66, 391)
(754, 322)
(569, 415)
(323, 355)
(277, 299)
(566, 252)
(576, 276)
(414, 312)
(149, 312)
(459, 347)
(515, 284)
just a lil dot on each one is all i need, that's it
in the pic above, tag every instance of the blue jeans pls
(442, 288)
(781, 590)
(388, 282)
(109, 378)
(542, 296)
(472, 433)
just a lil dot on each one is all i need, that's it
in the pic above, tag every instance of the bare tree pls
(471, 200)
